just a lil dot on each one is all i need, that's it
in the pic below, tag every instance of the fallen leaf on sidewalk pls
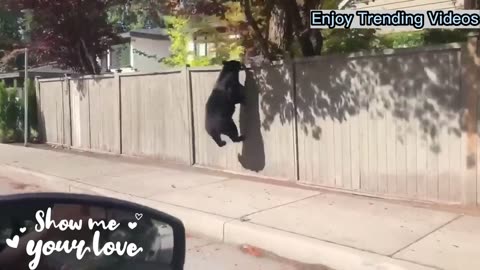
(244, 219)
(251, 250)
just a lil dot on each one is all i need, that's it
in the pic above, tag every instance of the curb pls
(233, 231)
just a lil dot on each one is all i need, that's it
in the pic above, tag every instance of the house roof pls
(153, 33)
(42, 71)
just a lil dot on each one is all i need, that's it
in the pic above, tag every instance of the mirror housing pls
(98, 218)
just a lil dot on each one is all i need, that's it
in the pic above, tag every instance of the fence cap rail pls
(384, 52)
(160, 72)
(60, 79)
(92, 77)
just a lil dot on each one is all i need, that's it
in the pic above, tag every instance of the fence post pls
(188, 88)
(470, 76)
(118, 85)
(62, 142)
(41, 127)
(69, 93)
(292, 64)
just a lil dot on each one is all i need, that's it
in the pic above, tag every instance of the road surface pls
(202, 254)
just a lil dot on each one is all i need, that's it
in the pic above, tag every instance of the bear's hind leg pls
(216, 137)
(232, 132)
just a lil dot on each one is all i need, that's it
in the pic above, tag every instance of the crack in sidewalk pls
(426, 235)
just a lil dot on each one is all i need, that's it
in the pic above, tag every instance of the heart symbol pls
(138, 216)
(13, 243)
(132, 225)
(22, 230)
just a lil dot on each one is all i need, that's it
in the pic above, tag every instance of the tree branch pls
(9, 57)
(258, 33)
(92, 62)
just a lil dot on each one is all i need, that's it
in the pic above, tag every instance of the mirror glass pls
(74, 236)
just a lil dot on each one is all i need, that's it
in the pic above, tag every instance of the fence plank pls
(391, 135)
(104, 115)
(470, 88)
(411, 153)
(155, 116)
(364, 157)
(51, 111)
(382, 154)
(79, 99)
(355, 151)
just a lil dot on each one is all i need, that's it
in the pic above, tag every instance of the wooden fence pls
(398, 124)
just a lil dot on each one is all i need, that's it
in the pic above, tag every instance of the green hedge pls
(354, 40)
(12, 114)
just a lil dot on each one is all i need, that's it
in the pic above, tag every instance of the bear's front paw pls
(222, 143)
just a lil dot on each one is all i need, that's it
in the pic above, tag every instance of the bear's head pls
(232, 65)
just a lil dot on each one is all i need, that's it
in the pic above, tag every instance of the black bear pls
(220, 107)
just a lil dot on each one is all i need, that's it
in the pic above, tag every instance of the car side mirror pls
(71, 231)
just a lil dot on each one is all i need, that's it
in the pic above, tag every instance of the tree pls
(69, 32)
(275, 28)
(177, 30)
(137, 14)
(9, 38)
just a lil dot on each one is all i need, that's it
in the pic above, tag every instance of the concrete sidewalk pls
(311, 226)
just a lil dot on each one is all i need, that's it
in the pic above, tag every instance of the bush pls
(32, 111)
(11, 114)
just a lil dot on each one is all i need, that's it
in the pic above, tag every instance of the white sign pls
(394, 19)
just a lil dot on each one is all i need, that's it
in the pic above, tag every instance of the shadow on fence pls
(253, 148)
(413, 87)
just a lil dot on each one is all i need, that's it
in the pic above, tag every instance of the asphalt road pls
(202, 254)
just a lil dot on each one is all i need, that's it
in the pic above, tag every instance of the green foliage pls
(11, 114)
(9, 27)
(422, 38)
(353, 40)
(440, 36)
(201, 61)
(403, 39)
(181, 32)
(32, 108)
(141, 14)
(177, 28)
(349, 40)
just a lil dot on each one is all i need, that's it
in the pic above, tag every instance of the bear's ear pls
(224, 62)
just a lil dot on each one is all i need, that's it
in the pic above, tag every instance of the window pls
(120, 56)
(201, 49)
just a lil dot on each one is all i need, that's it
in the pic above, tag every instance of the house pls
(15, 79)
(141, 50)
(208, 36)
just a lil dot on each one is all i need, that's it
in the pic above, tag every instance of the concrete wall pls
(399, 124)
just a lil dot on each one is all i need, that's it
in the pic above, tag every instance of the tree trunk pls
(264, 46)
(93, 65)
(302, 32)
